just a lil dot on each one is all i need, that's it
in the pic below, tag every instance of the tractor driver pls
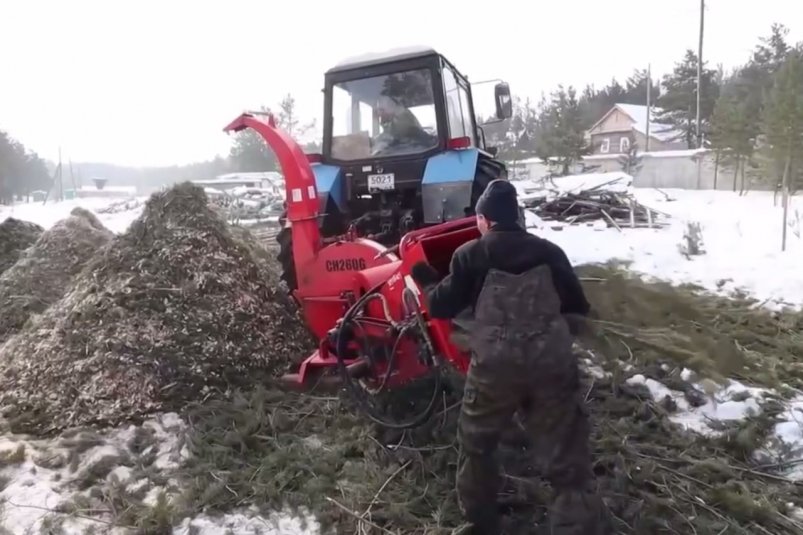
(399, 126)
(527, 303)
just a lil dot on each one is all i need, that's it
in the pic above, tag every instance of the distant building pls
(84, 192)
(100, 188)
(269, 180)
(625, 125)
(535, 168)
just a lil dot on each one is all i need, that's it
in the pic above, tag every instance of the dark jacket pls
(510, 249)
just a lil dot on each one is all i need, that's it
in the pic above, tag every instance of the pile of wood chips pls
(173, 309)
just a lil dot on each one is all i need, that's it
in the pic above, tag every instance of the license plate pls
(383, 182)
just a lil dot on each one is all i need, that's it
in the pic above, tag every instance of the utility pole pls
(649, 90)
(700, 73)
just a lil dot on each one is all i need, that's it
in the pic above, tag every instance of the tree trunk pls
(716, 168)
(741, 187)
(787, 171)
(735, 174)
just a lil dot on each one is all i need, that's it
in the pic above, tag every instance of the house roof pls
(638, 114)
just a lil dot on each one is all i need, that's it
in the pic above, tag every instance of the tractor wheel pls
(285, 256)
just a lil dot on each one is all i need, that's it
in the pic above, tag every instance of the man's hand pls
(424, 274)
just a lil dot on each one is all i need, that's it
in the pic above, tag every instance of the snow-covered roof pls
(531, 161)
(254, 175)
(373, 58)
(659, 131)
(109, 189)
(682, 153)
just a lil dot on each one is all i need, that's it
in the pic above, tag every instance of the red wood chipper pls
(402, 164)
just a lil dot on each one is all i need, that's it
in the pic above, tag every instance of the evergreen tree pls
(753, 81)
(783, 125)
(250, 153)
(595, 104)
(562, 129)
(21, 171)
(679, 99)
(630, 161)
(636, 88)
(732, 133)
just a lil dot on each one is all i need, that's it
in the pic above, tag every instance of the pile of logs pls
(617, 209)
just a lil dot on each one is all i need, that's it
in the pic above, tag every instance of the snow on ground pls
(733, 402)
(249, 522)
(730, 403)
(51, 474)
(40, 476)
(47, 215)
(741, 237)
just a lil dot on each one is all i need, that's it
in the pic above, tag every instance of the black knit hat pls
(499, 202)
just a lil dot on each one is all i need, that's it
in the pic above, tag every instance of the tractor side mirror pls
(504, 103)
(493, 151)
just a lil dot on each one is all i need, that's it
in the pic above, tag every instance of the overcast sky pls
(152, 82)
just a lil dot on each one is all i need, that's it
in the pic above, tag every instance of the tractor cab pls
(402, 150)
(400, 105)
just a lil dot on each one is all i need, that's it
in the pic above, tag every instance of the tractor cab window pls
(458, 110)
(387, 115)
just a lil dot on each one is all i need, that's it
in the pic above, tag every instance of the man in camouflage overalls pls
(526, 301)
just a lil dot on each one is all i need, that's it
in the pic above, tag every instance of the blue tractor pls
(401, 148)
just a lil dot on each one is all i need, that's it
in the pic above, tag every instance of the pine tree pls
(250, 153)
(287, 119)
(732, 133)
(21, 171)
(636, 88)
(679, 99)
(630, 161)
(562, 129)
(753, 81)
(783, 125)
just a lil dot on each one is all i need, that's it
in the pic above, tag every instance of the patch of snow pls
(613, 181)
(684, 153)
(152, 497)
(787, 443)
(47, 215)
(719, 407)
(593, 369)
(32, 486)
(275, 524)
(733, 402)
(742, 237)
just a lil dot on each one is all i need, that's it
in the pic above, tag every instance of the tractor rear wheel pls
(285, 256)
(487, 171)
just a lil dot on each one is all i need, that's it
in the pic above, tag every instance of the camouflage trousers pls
(537, 375)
